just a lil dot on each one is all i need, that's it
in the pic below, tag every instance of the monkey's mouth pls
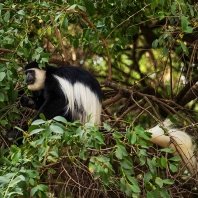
(29, 82)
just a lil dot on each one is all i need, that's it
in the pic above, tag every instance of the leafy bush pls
(80, 159)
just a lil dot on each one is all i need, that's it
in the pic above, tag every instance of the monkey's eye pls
(29, 72)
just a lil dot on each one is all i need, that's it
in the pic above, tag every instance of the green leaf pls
(167, 83)
(184, 23)
(164, 193)
(38, 122)
(168, 181)
(163, 161)
(189, 29)
(100, 24)
(173, 168)
(155, 43)
(126, 163)
(2, 98)
(191, 9)
(184, 48)
(5, 179)
(175, 159)
(117, 135)
(135, 188)
(2, 75)
(107, 126)
(7, 16)
(54, 152)
(154, 4)
(133, 138)
(72, 7)
(159, 181)
(152, 166)
(150, 195)
(38, 142)
(35, 131)
(167, 150)
(76, 42)
(16, 180)
(65, 23)
(82, 7)
(165, 51)
(21, 12)
(56, 129)
(139, 129)
(147, 177)
(42, 116)
(60, 119)
(121, 152)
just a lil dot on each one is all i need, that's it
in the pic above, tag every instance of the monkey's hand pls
(27, 102)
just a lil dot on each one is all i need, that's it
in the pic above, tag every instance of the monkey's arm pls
(52, 108)
(33, 102)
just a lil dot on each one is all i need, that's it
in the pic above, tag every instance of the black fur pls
(51, 100)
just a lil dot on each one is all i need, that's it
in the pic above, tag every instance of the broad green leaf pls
(21, 12)
(164, 193)
(56, 129)
(107, 126)
(154, 4)
(121, 152)
(159, 181)
(175, 159)
(168, 181)
(2, 98)
(38, 122)
(126, 163)
(42, 116)
(60, 119)
(184, 48)
(189, 29)
(147, 177)
(152, 166)
(38, 142)
(117, 135)
(16, 180)
(82, 7)
(35, 131)
(173, 168)
(72, 7)
(133, 138)
(167, 150)
(184, 23)
(163, 161)
(5, 179)
(65, 23)
(155, 43)
(7, 16)
(2, 75)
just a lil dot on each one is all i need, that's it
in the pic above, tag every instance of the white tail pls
(178, 140)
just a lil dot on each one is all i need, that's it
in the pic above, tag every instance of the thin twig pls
(84, 16)
(58, 34)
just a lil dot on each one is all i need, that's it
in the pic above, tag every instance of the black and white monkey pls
(67, 91)
(75, 94)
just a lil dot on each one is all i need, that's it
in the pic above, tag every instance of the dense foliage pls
(144, 53)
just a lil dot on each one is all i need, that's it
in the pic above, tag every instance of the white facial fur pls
(40, 76)
(83, 96)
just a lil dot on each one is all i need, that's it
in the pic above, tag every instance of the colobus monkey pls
(66, 91)
(179, 141)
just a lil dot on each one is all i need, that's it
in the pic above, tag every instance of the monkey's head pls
(35, 77)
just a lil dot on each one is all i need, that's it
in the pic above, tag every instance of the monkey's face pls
(35, 78)
(30, 76)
